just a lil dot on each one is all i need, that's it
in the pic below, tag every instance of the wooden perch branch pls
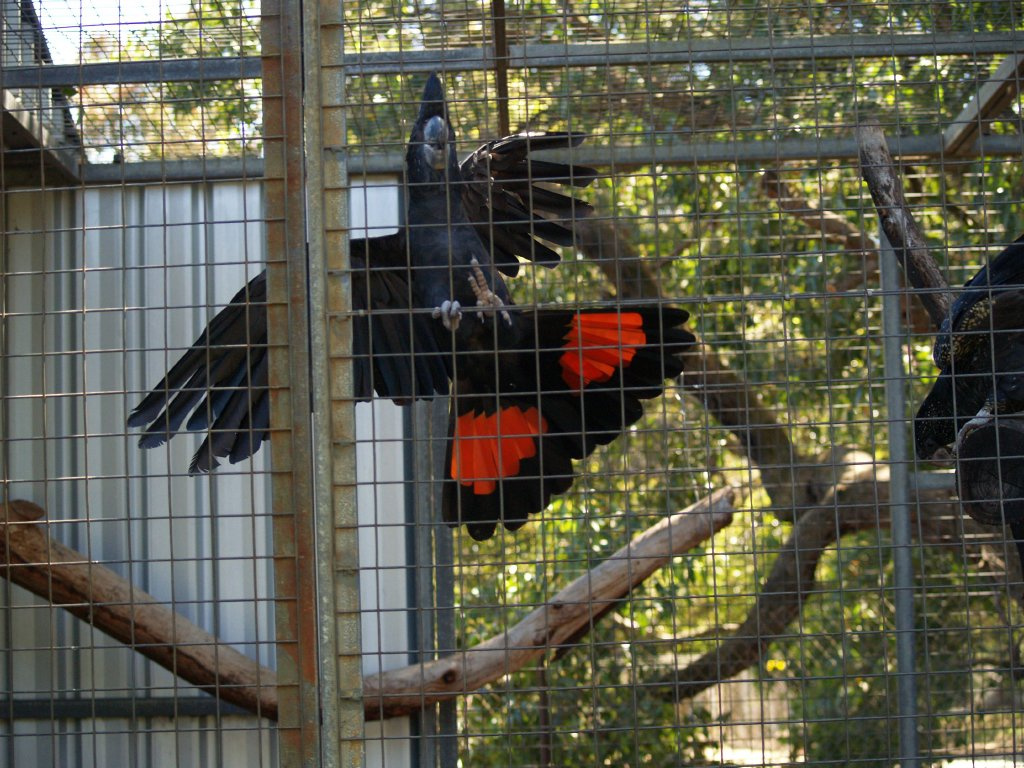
(97, 595)
(563, 618)
(902, 231)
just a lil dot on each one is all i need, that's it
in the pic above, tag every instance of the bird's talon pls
(485, 297)
(450, 313)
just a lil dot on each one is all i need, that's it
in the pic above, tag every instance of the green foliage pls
(800, 316)
(842, 669)
(172, 120)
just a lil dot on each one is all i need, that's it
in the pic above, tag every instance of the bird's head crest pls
(432, 143)
(432, 104)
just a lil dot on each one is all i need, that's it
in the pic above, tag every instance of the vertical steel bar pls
(421, 517)
(298, 725)
(306, 616)
(334, 463)
(498, 19)
(899, 507)
(444, 558)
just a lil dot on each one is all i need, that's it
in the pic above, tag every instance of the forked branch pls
(562, 619)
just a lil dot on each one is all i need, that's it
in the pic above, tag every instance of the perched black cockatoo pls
(980, 354)
(532, 388)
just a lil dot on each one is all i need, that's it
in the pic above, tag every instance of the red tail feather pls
(488, 448)
(598, 345)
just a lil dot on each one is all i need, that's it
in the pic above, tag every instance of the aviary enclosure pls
(672, 414)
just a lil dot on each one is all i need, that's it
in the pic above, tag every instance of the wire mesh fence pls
(596, 445)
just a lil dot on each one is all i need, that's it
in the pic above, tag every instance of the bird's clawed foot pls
(981, 419)
(485, 297)
(450, 313)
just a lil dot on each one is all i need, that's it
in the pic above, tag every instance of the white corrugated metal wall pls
(88, 276)
(384, 595)
(104, 288)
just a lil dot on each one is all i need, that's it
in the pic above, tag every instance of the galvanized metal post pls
(899, 507)
(434, 619)
(333, 404)
(300, 734)
(444, 576)
(315, 529)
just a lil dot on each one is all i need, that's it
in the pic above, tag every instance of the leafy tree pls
(176, 120)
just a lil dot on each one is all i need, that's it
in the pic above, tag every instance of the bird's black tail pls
(220, 385)
(572, 381)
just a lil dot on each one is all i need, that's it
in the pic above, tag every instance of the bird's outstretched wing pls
(534, 389)
(512, 198)
(572, 380)
(220, 385)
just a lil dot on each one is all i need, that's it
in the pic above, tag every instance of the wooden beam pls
(992, 98)
(562, 620)
(899, 225)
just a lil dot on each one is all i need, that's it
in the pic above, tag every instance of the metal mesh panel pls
(125, 577)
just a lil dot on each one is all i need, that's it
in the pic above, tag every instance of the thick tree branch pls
(902, 231)
(831, 226)
(789, 479)
(835, 228)
(401, 691)
(97, 595)
(860, 503)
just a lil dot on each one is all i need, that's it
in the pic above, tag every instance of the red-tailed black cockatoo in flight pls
(532, 388)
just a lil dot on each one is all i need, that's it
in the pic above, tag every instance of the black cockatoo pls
(980, 354)
(532, 388)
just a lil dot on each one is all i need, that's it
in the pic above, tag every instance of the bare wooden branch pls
(97, 595)
(831, 226)
(603, 241)
(401, 691)
(902, 231)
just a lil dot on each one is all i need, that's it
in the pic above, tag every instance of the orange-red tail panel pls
(598, 345)
(489, 448)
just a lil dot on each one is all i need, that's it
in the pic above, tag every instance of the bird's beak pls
(435, 142)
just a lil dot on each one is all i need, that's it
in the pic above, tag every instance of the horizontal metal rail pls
(541, 56)
(700, 50)
(121, 707)
(155, 71)
(595, 154)
(601, 155)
